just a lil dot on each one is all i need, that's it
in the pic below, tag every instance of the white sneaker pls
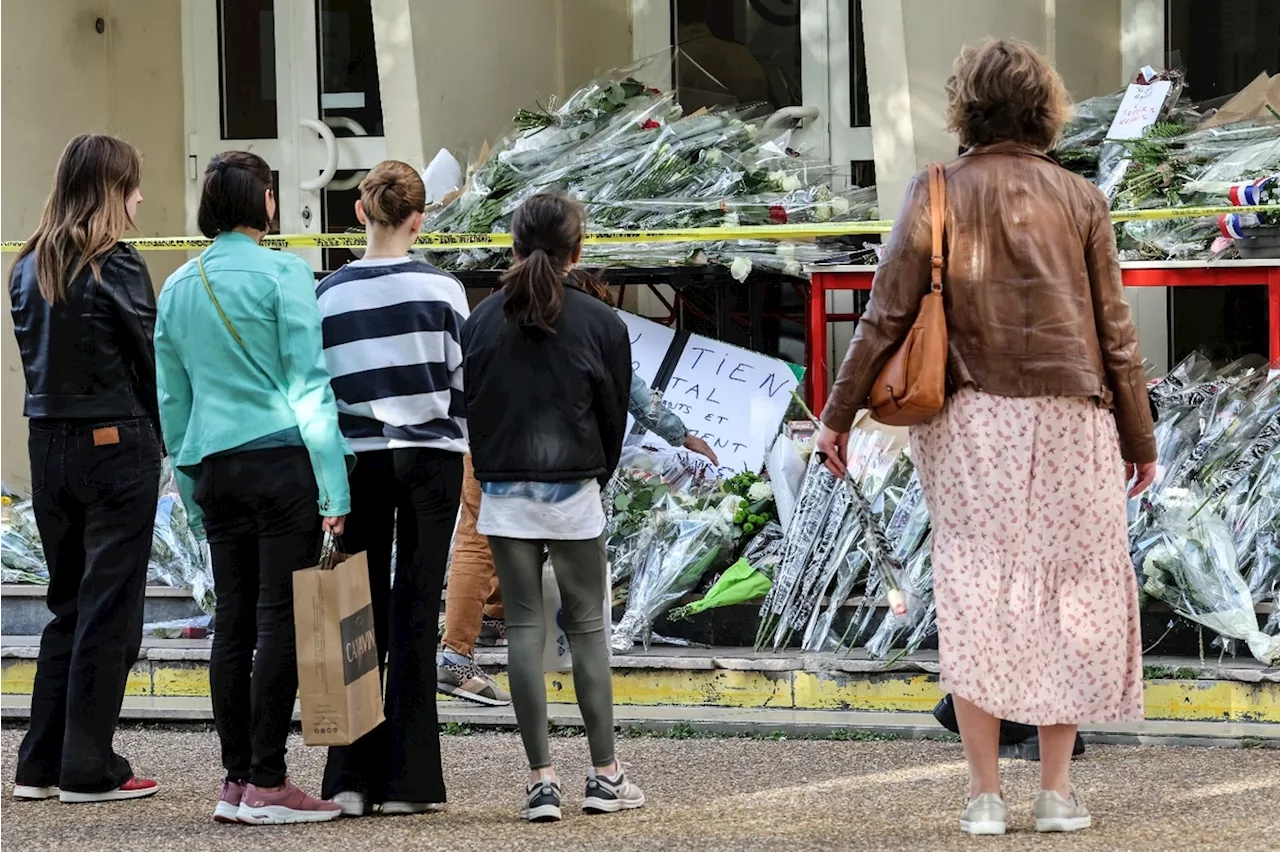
(984, 815)
(351, 802)
(408, 808)
(1054, 813)
(27, 793)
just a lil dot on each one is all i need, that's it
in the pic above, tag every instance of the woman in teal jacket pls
(251, 425)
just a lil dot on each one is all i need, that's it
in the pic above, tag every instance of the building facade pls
(323, 89)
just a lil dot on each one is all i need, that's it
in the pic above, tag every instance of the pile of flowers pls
(637, 161)
(177, 558)
(1183, 160)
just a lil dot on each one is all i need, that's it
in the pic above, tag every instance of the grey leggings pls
(581, 568)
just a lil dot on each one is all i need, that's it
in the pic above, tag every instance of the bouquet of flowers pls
(690, 536)
(21, 556)
(748, 579)
(645, 477)
(1189, 562)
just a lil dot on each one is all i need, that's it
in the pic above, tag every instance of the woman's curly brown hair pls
(1004, 91)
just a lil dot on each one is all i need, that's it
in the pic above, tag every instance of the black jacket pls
(546, 407)
(91, 355)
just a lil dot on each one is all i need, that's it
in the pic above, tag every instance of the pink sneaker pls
(228, 807)
(284, 806)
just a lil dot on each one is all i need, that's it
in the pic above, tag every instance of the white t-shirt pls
(548, 511)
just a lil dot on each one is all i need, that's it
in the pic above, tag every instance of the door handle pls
(799, 114)
(331, 155)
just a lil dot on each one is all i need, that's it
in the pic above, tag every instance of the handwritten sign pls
(1139, 109)
(732, 398)
(649, 344)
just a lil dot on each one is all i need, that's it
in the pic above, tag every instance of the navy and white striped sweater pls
(392, 342)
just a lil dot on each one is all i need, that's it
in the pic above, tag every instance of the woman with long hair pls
(547, 372)
(392, 336)
(83, 312)
(1025, 469)
(261, 465)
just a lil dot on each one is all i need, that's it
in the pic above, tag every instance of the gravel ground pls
(704, 794)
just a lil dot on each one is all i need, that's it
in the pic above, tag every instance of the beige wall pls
(58, 78)
(475, 62)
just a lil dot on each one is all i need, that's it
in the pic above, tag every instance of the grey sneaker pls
(542, 802)
(610, 795)
(984, 815)
(493, 633)
(1054, 813)
(466, 681)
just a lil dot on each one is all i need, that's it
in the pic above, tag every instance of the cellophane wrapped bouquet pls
(1195, 535)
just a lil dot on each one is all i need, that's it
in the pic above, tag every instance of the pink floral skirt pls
(1037, 599)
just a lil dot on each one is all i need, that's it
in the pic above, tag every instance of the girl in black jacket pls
(83, 313)
(547, 371)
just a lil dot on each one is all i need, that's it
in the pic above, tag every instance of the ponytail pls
(546, 234)
(534, 292)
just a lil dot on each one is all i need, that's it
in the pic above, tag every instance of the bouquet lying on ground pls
(834, 537)
(691, 534)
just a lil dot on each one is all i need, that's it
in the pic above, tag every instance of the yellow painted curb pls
(1180, 700)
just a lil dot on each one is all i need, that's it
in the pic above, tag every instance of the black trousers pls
(94, 488)
(263, 522)
(414, 495)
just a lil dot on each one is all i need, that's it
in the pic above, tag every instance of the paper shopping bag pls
(338, 680)
(556, 656)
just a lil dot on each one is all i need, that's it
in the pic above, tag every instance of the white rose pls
(731, 219)
(793, 268)
(777, 177)
(714, 156)
(759, 491)
(839, 205)
(740, 268)
(791, 183)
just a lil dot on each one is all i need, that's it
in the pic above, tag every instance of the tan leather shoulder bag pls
(912, 387)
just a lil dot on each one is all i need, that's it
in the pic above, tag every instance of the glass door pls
(804, 59)
(296, 82)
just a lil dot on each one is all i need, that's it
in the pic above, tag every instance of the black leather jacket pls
(90, 356)
(546, 407)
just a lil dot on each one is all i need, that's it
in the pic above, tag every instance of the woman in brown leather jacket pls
(1046, 421)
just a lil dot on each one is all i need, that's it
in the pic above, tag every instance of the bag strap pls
(208, 288)
(937, 222)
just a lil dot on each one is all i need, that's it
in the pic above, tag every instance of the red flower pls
(778, 214)
(650, 124)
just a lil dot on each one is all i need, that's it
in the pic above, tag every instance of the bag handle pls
(937, 222)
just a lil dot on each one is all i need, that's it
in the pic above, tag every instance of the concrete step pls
(1177, 688)
(23, 611)
(684, 721)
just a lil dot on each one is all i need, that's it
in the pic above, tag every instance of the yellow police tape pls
(448, 242)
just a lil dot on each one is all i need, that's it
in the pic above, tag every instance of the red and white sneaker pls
(228, 807)
(284, 806)
(28, 793)
(134, 788)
